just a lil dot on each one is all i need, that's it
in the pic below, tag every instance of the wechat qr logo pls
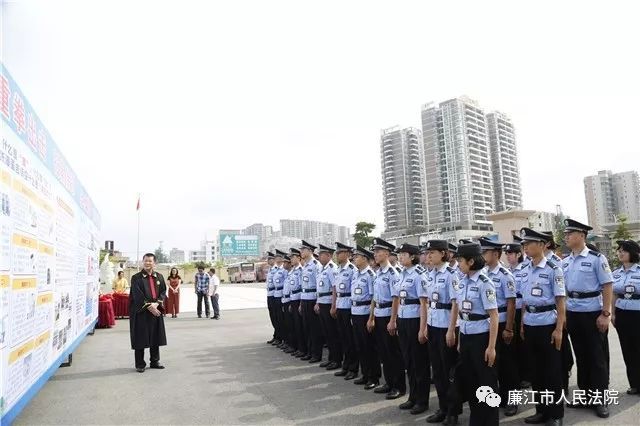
(485, 394)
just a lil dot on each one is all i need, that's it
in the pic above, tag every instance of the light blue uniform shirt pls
(279, 277)
(475, 294)
(505, 286)
(550, 255)
(286, 289)
(586, 272)
(399, 268)
(270, 286)
(382, 289)
(325, 282)
(625, 284)
(407, 287)
(310, 273)
(517, 276)
(540, 286)
(294, 282)
(456, 267)
(362, 290)
(342, 284)
(439, 288)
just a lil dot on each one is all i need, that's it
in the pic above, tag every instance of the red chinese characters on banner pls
(42, 144)
(5, 96)
(31, 132)
(18, 114)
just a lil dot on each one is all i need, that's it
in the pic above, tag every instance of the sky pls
(227, 113)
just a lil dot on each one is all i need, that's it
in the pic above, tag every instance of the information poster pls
(48, 253)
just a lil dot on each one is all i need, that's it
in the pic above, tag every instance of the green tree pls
(362, 235)
(622, 233)
(160, 256)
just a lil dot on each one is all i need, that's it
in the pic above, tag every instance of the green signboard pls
(232, 245)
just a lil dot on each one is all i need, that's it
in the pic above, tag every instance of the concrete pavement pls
(222, 372)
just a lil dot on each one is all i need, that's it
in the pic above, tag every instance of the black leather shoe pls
(382, 389)
(270, 341)
(370, 385)
(419, 409)
(361, 381)
(553, 422)
(451, 421)
(314, 360)
(536, 419)
(408, 405)
(602, 411)
(333, 366)
(289, 350)
(276, 342)
(394, 394)
(633, 391)
(300, 354)
(140, 369)
(305, 358)
(157, 366)
(511, 410)
(351, 375)
(437, 417)
(341, 373)
(324, 364)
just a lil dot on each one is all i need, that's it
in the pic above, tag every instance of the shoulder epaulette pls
(484, 278)
(371, 273)
(503, 270)
(552, 264)
(595, 253)
(351, 266)
(450, 269)
(315, 261)
(398, 269)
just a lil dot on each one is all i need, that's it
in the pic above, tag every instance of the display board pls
(49, 252)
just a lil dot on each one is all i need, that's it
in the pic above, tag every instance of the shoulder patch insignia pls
(351, 266)
(595, 253)
(450, 269)
(483, 278)
(553, 265)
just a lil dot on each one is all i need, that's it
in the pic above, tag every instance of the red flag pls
(138, 205)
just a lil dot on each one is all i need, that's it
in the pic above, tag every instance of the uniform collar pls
(329, 264)
(583, 253)
(346, 265)
(475, 275)
(496, 269)
(411, 269)
(542, 263)
(384, 270)
(635, 267)
(455, 265)
(365, 270)
(444, 267)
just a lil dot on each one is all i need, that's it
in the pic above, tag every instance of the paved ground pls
(222, 372)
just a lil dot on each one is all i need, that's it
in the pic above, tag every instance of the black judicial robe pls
(146, 329)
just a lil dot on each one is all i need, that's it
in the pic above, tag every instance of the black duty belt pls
(344, 294)
(537, 309)
(309, 290)
(409, 301)
(472, 317)
(384, 305)
(270, 288)
(629, 296)
(502, 309)
(438, 305)
(583, 295)
(518, 295)
(296, 291)
(279, 288)
(325, 294)
(362, 303)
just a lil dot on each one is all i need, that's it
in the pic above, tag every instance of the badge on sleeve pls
(559, 281)
(491, 295)
(605, 266)
(511, 285)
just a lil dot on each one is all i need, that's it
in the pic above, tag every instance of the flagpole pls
(138, 248)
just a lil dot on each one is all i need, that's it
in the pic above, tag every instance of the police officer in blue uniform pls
(323, 308)
(279, 277)
(543, 317)
(287, 322)
(588, 281)
(505, 285)
(626, 317)
(388, 346)
(310, 320)
(276, 339)
(341, 311)
(550, 249)
(441, 332)
(476, 307)
(393, 260)
(361, 301)
(295, 287)
(405, 322)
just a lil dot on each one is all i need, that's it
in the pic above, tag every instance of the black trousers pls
(520, 350)
(546, 368)
(567, 360)
(391, 356)
(366, 348)
(345, 331)
(287, 324)
(508, 374)
(416, 360)
(311, 322)
(214, 305)
(591, 349)
(272, 316)
(330, 331)
(154, 355)
(472, 372)
(628, 327)
(278, 317)
(203, 297)
(443, 360)
(298, 328)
